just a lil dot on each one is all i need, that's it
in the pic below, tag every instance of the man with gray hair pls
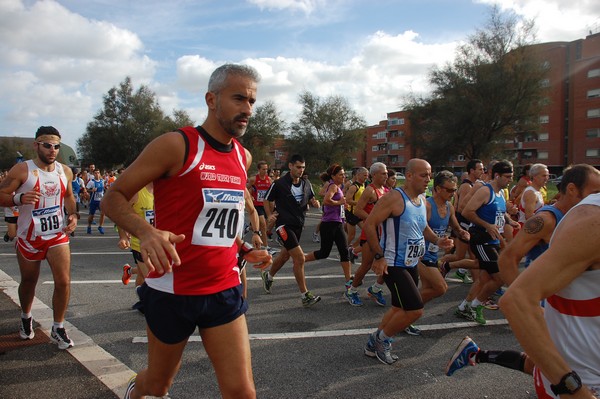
(363, 208)
(532, 198)
(199, 177)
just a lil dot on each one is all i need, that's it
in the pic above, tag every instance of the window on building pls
(592, 133)
(542, 154)
(375, 148)
(545, 83)
(592, 152)
(593, 93)
(460, 157)
(544, 119)
(543, 136)
(593, 113)
(594, 73)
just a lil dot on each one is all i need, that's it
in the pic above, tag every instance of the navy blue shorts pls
(173, 318)
(94, 206)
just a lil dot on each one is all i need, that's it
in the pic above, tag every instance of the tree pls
(10, 148)
(127, 122)
(327, 131)
(490, 93)
(264, 127)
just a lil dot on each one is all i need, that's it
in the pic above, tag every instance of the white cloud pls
(556, 20)
(383, 70)
(306, 6)
(56, 66)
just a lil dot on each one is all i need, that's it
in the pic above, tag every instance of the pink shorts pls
(36, 250)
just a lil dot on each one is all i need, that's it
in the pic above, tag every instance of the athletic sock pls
(510, 359)
(382, 336)
(25, 315)
(463, 304)
(476, 303)
(57, 324)
(377, 287)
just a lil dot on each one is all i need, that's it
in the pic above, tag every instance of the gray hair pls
(219, 75)
(536, 169)
(376, 167)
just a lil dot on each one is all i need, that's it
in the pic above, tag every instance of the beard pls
(45, 159)
(232, 128)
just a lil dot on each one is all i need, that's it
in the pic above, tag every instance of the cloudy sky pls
(59, 57)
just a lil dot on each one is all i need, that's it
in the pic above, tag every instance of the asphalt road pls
(296, 352)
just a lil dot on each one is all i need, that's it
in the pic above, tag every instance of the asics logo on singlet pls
(204, 166)
(229, 196)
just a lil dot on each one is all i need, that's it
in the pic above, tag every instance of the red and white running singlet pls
(204, 201)
(261, 186)
(573, 319)
(43, 220)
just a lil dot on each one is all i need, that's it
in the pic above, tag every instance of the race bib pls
(432, 247)
(98, 196)
(260, 195)
(500, 221)
(415, 249)
(47, 221)
(221, 219)
(150, 216)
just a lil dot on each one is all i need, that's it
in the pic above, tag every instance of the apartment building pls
(569, 129)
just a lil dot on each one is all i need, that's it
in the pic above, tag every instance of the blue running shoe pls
(376, 296)
(353, 298)
(101, 229)
(383, 351)
(89, 230)
(370, 347)
(463, 355)
(412, 330)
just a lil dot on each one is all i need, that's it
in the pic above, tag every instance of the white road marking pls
(342, 333)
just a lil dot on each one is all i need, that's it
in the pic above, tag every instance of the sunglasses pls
(49, 146)
(449, 190)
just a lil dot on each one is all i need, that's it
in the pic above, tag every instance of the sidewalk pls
(36, 368)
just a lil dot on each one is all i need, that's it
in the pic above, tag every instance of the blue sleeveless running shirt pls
(402, 237)
(439, 227)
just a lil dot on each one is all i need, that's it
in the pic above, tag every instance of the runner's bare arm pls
(156, 246)
(13, 180)
(573, 251)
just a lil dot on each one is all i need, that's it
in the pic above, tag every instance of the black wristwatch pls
(569, 384)
(378, 256)
(257, 232)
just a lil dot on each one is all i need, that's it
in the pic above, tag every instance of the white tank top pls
(573, 319)
(45, 219)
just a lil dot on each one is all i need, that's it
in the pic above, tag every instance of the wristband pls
(244, 249)
(17, 199)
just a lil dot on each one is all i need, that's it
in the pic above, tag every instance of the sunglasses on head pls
(48, 145)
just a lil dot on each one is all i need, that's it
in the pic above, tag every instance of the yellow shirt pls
(144, 207)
